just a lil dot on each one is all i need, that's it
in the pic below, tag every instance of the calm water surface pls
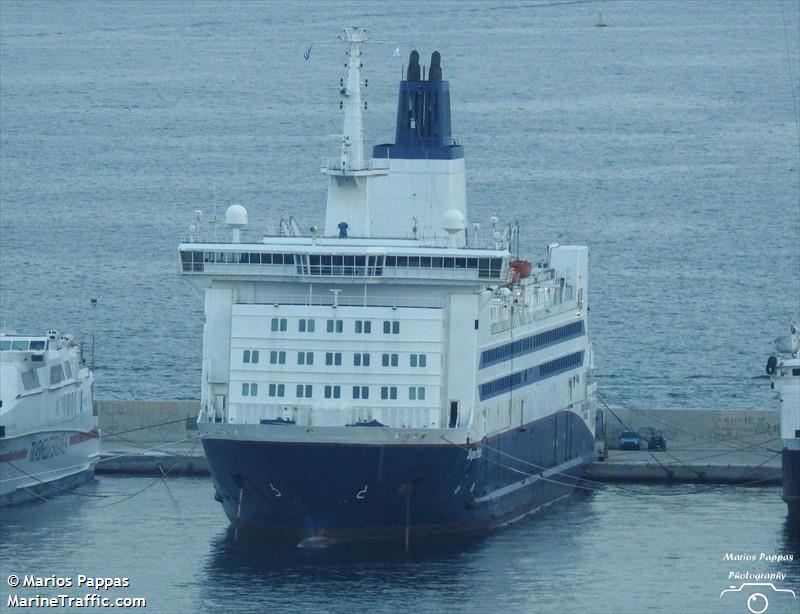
(652, 550)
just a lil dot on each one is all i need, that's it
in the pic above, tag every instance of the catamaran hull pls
(47, 463)
(344, 491)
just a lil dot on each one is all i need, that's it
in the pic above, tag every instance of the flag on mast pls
(307, 53)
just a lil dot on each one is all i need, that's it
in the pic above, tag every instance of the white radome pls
(453, 220)
(236, 216)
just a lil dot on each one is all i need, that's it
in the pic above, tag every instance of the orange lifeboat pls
(519, 269)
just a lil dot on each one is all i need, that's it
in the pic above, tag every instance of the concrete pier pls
(150, 438)
(160, 438)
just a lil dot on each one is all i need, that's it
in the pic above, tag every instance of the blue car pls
(630, 440)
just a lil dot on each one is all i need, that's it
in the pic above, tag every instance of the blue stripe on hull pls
(790, 470)
(361, 491)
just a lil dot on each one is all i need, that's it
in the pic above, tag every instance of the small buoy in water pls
(600, 23)
(318, 541)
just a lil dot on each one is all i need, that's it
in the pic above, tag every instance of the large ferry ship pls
(784, 376)
(49, 442)
(391, 374)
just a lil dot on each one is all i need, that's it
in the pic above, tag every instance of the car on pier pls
(657, 442)
(630, 440)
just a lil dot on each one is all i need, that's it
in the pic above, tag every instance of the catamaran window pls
(277, 358)
(30, 379)
(335, 326)
(19, 345)
(303, 391)
(388, 392)
(418, 360)
(360, 392)
(279, 324)
(363, 327)
(305, 358)
(333, 392)
(416, 393)
(333, 358)
(37, 345)
(56, 374)
(360, 360)
(305, 326)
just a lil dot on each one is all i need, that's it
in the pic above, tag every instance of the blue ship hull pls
(790, 469)
(354, 491)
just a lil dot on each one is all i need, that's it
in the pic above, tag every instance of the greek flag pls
(307, 53)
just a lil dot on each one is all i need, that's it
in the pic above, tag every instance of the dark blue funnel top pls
(423, 117)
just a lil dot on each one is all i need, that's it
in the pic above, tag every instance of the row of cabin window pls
(335, 326)
(248, 258)
(531, 343)
(360, 359)
(530, 375)
(489, 267)
(306, 391)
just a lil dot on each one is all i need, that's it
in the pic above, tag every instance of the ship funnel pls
(423, 129)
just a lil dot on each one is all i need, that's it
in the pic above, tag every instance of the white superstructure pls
(48, 435)
(395, 315)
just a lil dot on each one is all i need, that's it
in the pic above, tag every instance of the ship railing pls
(507, 316)
(322, 300)
(333, 415)
(337, 165)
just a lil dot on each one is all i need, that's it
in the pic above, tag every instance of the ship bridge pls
(300, 259)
